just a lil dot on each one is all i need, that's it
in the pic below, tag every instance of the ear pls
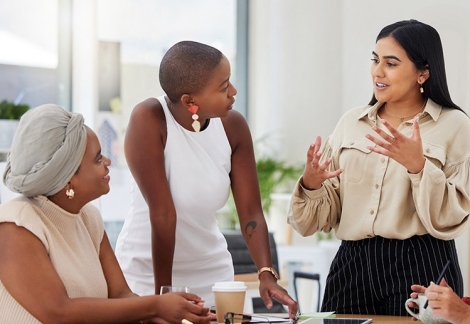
(423, 75)
(187, 100)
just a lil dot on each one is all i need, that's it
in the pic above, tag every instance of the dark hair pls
(423, 46)
(186, 67)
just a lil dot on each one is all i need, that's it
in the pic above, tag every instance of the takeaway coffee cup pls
(229, 296)
(425, 315)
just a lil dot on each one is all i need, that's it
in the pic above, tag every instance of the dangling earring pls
(196, 124)
(69, 192)
(421, 89)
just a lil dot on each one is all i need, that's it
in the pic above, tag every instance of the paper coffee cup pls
(229, 296)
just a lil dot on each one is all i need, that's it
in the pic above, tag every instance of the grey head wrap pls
(47, 150)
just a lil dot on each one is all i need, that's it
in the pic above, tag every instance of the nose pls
(232, 90)
(107, 161)
(376, 70)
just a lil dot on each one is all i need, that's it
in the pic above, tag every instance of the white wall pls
(309, 62)
(294, 72)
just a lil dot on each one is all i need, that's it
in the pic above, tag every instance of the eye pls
(390, 64)
(375, 60)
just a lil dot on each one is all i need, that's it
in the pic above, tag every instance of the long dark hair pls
(423, 46)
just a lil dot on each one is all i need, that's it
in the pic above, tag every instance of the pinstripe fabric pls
(374, 276)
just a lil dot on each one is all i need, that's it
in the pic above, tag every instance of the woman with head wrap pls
(57, 264)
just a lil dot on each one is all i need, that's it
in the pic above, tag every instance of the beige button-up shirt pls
(376, 196)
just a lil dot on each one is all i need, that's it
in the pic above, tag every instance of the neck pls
(403, 112)
(71, 205)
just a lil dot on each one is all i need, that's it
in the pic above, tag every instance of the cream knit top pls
(72, 242)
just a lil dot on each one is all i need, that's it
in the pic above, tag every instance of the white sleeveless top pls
(197, 167)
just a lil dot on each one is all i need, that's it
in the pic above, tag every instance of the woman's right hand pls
(315, 173)
(174, 307)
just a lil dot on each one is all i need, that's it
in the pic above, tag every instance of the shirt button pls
(428, 150)
(376, 186)
(372, 212)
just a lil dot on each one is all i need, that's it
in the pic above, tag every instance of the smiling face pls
(217, 97)
(394, 75)
(91, 179)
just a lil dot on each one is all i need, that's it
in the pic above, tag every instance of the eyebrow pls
(393, 57)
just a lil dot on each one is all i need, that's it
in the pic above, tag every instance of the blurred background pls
(298, 66)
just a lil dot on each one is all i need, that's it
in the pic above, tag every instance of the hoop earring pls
(70, 193)
(196, 124)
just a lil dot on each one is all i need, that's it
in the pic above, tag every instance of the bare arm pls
(30, 278)
(144, 150)
(117, 285)
(246, 193)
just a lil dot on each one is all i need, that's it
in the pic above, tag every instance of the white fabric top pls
(197, 168)
(72, 242)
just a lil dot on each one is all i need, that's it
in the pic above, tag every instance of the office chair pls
(309, 276)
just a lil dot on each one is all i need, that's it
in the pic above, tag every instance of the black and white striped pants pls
(374, 276)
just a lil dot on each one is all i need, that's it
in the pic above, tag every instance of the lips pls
(231, 106)
(380, 85)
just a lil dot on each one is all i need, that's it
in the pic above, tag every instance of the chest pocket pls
(435, 154)
(352, 158)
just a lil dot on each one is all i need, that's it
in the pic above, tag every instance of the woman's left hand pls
(408, 151)
(270, 289)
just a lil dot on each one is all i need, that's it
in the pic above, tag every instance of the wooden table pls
(384, 319)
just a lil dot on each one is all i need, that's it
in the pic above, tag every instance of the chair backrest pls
(242, 261)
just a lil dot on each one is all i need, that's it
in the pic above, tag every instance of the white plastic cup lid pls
(229, 286)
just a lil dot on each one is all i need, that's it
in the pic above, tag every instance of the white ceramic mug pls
(425, 315)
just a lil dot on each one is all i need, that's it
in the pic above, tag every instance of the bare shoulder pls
(236, 128)
(147, 125)
(148, 110)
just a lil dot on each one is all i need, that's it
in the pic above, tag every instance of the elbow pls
(300, 228)
(55, 317)
(58, 314)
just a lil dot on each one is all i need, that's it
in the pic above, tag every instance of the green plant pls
(8, 110)
(274, 176)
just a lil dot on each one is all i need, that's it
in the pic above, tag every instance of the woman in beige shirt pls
(392, 180)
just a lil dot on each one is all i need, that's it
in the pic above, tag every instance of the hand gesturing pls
(408, 151)
(314, 172)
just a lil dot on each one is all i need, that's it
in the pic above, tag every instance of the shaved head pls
(186, 68)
